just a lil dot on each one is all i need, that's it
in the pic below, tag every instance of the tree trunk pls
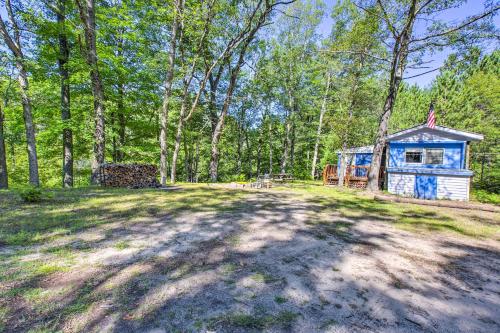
(87, 16)
(214, 160)
(99, 134)
(122, 123)
(249, 155)
(238, 151)
(259, 154)
(168, 93)
(320, 125)
(197, 161)
(292, 148)
(114, 147)
(398, 65)
(4, 182)
(29, 125)
(270, 147)
(177, 144)
(287, 142)
(120, 109)
(286, 145)
(186, 157)
(14, 44)
(246, 36)
(67, 167)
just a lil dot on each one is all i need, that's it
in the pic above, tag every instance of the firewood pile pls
(128, 175)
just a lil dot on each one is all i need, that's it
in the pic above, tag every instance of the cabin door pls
(426, 187)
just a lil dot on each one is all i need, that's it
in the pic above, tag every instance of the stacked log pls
(128, 175)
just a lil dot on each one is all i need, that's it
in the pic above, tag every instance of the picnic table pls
(282, 177)
(262, 181)
(266, 180)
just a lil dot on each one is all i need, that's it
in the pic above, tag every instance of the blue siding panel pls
(364, 159)
(426, 187)
(453, 154)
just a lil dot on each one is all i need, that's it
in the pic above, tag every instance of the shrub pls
(31, 194)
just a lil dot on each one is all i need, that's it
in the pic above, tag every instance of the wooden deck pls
(330, 175)
(356, 176)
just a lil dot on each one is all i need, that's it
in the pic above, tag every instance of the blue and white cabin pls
(421, 162)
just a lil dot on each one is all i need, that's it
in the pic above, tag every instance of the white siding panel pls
(453, 188)
(401, 184)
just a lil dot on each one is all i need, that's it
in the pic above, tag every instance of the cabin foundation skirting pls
(425, 186)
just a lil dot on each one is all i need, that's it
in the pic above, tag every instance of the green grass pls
(283, 319)
(263, 277)
(357, 205)
(42, 240)
(280, 299)
(53, 225)
(69, 211)
(122, 245)
(486, 197)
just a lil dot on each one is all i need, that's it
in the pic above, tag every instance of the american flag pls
(431, 118)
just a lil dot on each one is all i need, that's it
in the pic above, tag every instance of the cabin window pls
(434, 156)
(413, 156)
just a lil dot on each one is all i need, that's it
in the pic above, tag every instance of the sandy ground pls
(277, 263)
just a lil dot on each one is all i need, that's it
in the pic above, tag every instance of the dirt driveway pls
(269, 261)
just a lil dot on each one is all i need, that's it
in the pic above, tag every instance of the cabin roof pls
(438, 130)
(358, 150)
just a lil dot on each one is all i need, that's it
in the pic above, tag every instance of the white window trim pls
(425, 156)
(415, 150)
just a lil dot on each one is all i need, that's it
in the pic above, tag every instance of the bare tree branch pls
(392, 28)
(355, 52)
(458, 27)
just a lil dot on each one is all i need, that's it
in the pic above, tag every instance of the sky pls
(469, 8)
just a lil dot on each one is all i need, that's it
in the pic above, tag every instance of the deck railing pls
(355, 175)
(330, 175)
(357, 172)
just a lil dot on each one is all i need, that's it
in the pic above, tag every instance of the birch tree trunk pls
(67, 165)
(14, 44)
(320, 125)
(179, 4)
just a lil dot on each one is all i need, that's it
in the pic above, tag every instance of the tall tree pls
(4, 180)
(320, 123)
(67, 165)
(178, 10)
(234, 72)
(13, 42)
(260, 9)
(86, 9)
(403, 42)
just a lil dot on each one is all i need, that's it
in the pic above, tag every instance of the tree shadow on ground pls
(262, 261)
